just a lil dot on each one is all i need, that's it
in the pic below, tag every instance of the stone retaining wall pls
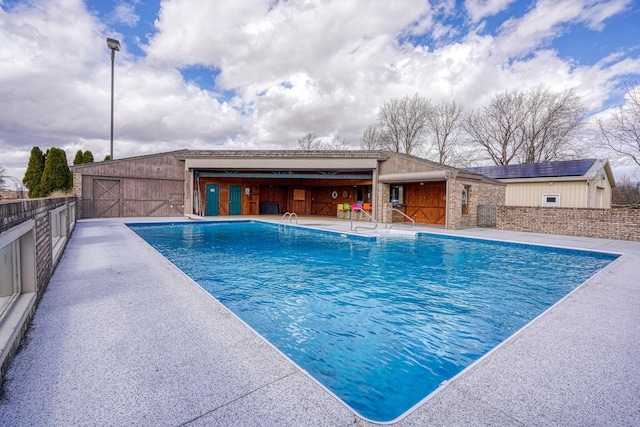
(13, 214)
(617, 224)
(354, 215)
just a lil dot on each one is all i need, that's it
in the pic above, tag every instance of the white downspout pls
(188, 195)
(591, 184)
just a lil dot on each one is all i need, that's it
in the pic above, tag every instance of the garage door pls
(106, 198)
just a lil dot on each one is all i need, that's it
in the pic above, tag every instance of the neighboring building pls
(567, 184)
(11, 195)
(218, 183)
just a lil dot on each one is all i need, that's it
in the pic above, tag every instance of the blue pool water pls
(380, 323)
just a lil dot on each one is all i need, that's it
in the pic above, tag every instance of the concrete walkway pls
(121, 337)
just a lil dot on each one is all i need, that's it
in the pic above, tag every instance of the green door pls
(235, 200)
(213, 199)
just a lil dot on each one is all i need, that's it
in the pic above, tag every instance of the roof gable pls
(536, 170)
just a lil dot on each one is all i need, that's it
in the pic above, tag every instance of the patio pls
(121, 337)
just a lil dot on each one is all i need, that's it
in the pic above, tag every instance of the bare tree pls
(551, 123)
(2, 177)
(444, 125)
(621, 132)
(309, 142)
(403, 123)
(497, 128)
(626, 193)
(529, 127)
(335, 143)
(372, 138)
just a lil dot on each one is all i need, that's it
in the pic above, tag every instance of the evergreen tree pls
(79, 158)
(107, 157)
(87, 157)
(33, 174)
(56, 175)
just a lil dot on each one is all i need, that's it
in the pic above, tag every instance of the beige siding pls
(405, 165)
(580, 192)
(573, 194)
(603, 187)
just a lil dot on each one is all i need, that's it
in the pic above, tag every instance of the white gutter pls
(393, 178)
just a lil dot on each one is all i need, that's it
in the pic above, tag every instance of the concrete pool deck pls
(121, 337)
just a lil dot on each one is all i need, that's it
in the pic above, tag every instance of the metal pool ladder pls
(290, 216)
(362, 226)
(389, 225)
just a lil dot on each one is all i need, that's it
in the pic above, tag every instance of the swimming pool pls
(381, 323)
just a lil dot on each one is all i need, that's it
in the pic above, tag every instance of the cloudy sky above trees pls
(259, 74)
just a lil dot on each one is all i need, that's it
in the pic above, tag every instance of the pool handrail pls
(362, 226)
(390, 224)
(289, 215)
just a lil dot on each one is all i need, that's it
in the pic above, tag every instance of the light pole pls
(114, 45)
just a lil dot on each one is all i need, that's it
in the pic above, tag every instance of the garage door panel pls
(106, 198)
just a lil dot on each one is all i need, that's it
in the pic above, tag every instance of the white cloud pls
(597, 12)
(49, 60)
(549, 19)
(294, 67)
(479, 9)
(124, 13)
(252, 44)
(55, 91)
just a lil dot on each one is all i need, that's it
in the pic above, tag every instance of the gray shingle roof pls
(342, 154)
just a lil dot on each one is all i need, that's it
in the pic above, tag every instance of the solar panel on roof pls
(536, 170)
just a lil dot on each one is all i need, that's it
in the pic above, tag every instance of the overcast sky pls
(259, 74)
